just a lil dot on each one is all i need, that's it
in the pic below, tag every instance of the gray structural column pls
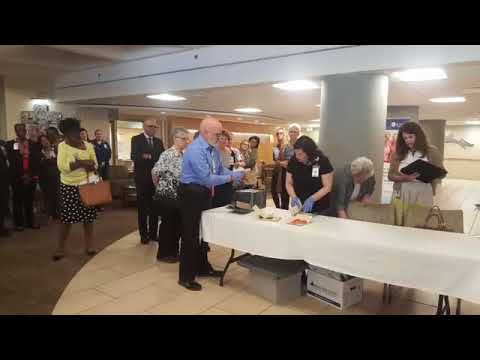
(353, 115)
(3, 110)
(435, 131)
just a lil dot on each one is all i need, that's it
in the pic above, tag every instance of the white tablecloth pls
(437, 262)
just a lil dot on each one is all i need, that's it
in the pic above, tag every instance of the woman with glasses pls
(166, 177)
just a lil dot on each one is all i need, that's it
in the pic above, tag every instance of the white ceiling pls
(36, 66)
(281, 106)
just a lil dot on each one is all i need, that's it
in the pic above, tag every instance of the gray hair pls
(177, 131)
(295, 125)
(362, 165)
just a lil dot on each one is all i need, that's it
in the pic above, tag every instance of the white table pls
(432, 261)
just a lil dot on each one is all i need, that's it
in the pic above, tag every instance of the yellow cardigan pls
(68, 154)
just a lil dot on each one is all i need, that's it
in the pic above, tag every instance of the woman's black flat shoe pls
(91, 252)
(57, 257)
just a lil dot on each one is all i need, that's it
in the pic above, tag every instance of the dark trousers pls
(51, 192)
(146, 215)
(193, 199)
(223, 195)
(23, 203)
(169, 233)
(280, 199)
(103, 171)
(4, 202)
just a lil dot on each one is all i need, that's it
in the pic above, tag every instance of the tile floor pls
(125, 279)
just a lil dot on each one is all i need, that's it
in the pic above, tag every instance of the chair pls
(454, 219)
(119, 179)
(379, 214)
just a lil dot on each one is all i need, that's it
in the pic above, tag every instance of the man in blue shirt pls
(103, 152)
(202, 170)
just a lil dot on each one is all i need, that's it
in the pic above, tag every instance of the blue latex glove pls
(238, 175)
(308, 205)
(296, 202)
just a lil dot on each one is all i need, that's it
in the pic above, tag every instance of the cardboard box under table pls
(278, 281)
(333, 291)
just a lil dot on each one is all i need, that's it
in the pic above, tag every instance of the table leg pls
(458, 311)
(441, 308)
(230, 261)
(385, 293)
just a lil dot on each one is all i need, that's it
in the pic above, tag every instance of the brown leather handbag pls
(436, 213)
(96, 194)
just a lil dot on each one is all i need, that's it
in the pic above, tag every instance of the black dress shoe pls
(5, 233)
(190, 285)
(168, 259)
(211, 272)
(58, 257)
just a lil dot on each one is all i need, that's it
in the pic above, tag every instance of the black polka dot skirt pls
(72, 210)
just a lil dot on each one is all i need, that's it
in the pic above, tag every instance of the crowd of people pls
(177, 184)
(31, 161)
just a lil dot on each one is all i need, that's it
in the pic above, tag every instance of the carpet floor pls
(30, 282)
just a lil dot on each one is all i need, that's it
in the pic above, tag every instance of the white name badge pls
(315, 171)
(105, 146)
(15, 146)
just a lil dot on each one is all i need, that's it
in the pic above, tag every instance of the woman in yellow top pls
(77, 163)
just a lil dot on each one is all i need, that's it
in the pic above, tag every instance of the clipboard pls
(427, 171)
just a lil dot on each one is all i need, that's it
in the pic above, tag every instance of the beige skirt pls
(411, 194)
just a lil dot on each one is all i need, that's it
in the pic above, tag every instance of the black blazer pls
(142, 167)
(16, 161)
(4, 174)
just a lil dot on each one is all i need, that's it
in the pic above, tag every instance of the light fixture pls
(166, 97)
(313, 125)
(318, 105)
(315, 120)
(40, 102)
(248, 110)
(420, 74)
(472, 122)
(456, 99)
(163, 113)
(296, 85)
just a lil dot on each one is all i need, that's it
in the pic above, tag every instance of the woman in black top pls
(309, 178)
(49, 177)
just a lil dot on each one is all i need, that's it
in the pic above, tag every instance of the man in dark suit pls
(24, 161)
(4, 189)
(146, 150)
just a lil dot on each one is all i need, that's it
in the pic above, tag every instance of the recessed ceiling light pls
(315, 120)
(296, 85)
(420, 74)
(457, 99)
(248, 110)
(163, 113)
(472, 122)
(318, 105)
(166, 97)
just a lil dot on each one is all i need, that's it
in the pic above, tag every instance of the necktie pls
(150, 142)
(210, 150)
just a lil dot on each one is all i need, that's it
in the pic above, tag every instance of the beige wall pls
(462, 169)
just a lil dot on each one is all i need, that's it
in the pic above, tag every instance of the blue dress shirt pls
(202, 165)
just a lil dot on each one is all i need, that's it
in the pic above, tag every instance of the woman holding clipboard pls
(408, 191)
